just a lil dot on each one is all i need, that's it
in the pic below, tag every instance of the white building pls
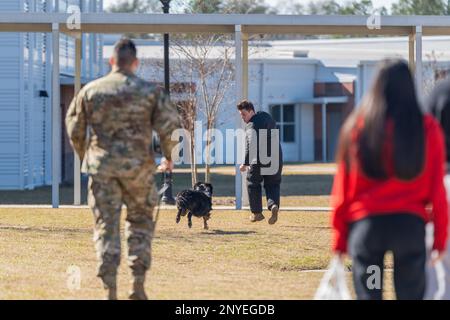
(25, 93)
(296, 81)
(309, 86)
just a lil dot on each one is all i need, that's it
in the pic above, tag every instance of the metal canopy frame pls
(242, 26)
(224, 23)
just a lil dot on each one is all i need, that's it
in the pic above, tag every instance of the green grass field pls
(235, 259)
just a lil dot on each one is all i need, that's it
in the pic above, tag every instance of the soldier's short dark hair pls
(246, 105)
(125, 52)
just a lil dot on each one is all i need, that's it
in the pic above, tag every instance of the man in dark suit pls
(263, 161)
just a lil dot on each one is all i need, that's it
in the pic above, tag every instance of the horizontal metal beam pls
(150, 28)
(25, 27)
(436, 31)
(328, 30)
(223, 23)
(224, 19)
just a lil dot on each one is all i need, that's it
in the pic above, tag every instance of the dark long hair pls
(392, 96)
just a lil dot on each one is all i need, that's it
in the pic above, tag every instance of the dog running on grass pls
(195, 202)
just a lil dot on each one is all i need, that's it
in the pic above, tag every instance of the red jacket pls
(355, 196)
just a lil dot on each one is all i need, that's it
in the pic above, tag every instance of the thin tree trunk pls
(193, 160)
(195, 169)
(208, 153)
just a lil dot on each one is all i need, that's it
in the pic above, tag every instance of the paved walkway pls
(164, 207)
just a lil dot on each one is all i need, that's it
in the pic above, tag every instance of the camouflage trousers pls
(106, 196)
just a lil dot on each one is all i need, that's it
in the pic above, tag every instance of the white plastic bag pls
(436, 288)
(333, 285)
(440, 279)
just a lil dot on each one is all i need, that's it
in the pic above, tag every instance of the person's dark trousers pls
(271, 186)
(369, 239)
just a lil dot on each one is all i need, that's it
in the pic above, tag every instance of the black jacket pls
(261, 120)
(439, 106)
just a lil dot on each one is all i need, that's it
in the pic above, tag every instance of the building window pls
(284, 116)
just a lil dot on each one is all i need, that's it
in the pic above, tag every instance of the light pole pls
(167, 197)
(166, 8)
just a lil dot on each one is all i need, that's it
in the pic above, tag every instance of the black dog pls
(195, 202)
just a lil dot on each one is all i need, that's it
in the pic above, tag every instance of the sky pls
(376, 3)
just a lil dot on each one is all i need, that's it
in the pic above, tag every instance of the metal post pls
(411, 52)
(324, 132)
(30, 180)
(245, 201)
(244, 66)
(166, 64)
(76, 159)
(239, 96)
(419, 64)
(167, 197)
(166, 9)
(56, 119)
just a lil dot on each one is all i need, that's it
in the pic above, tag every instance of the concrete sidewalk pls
(163, 207)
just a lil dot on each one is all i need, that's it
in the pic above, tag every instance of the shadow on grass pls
(44, 229)
(307, 227)
(229, 233)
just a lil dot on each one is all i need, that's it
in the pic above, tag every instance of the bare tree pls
(433, 72)
(188, 108)
(188, 111)
(210, 59)
(183, 91)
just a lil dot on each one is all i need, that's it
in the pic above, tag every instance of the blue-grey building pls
(25, 93)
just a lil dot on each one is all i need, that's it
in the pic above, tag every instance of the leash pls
(158, 205)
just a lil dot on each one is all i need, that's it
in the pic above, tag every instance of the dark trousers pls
(271, 186)
(371, 238)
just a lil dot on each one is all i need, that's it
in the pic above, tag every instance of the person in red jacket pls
(389, 183)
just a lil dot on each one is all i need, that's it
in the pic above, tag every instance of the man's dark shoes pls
(273, 219)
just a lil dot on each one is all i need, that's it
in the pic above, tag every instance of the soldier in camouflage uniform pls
(110, 125)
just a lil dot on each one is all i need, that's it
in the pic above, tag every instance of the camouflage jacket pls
(110, 124)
